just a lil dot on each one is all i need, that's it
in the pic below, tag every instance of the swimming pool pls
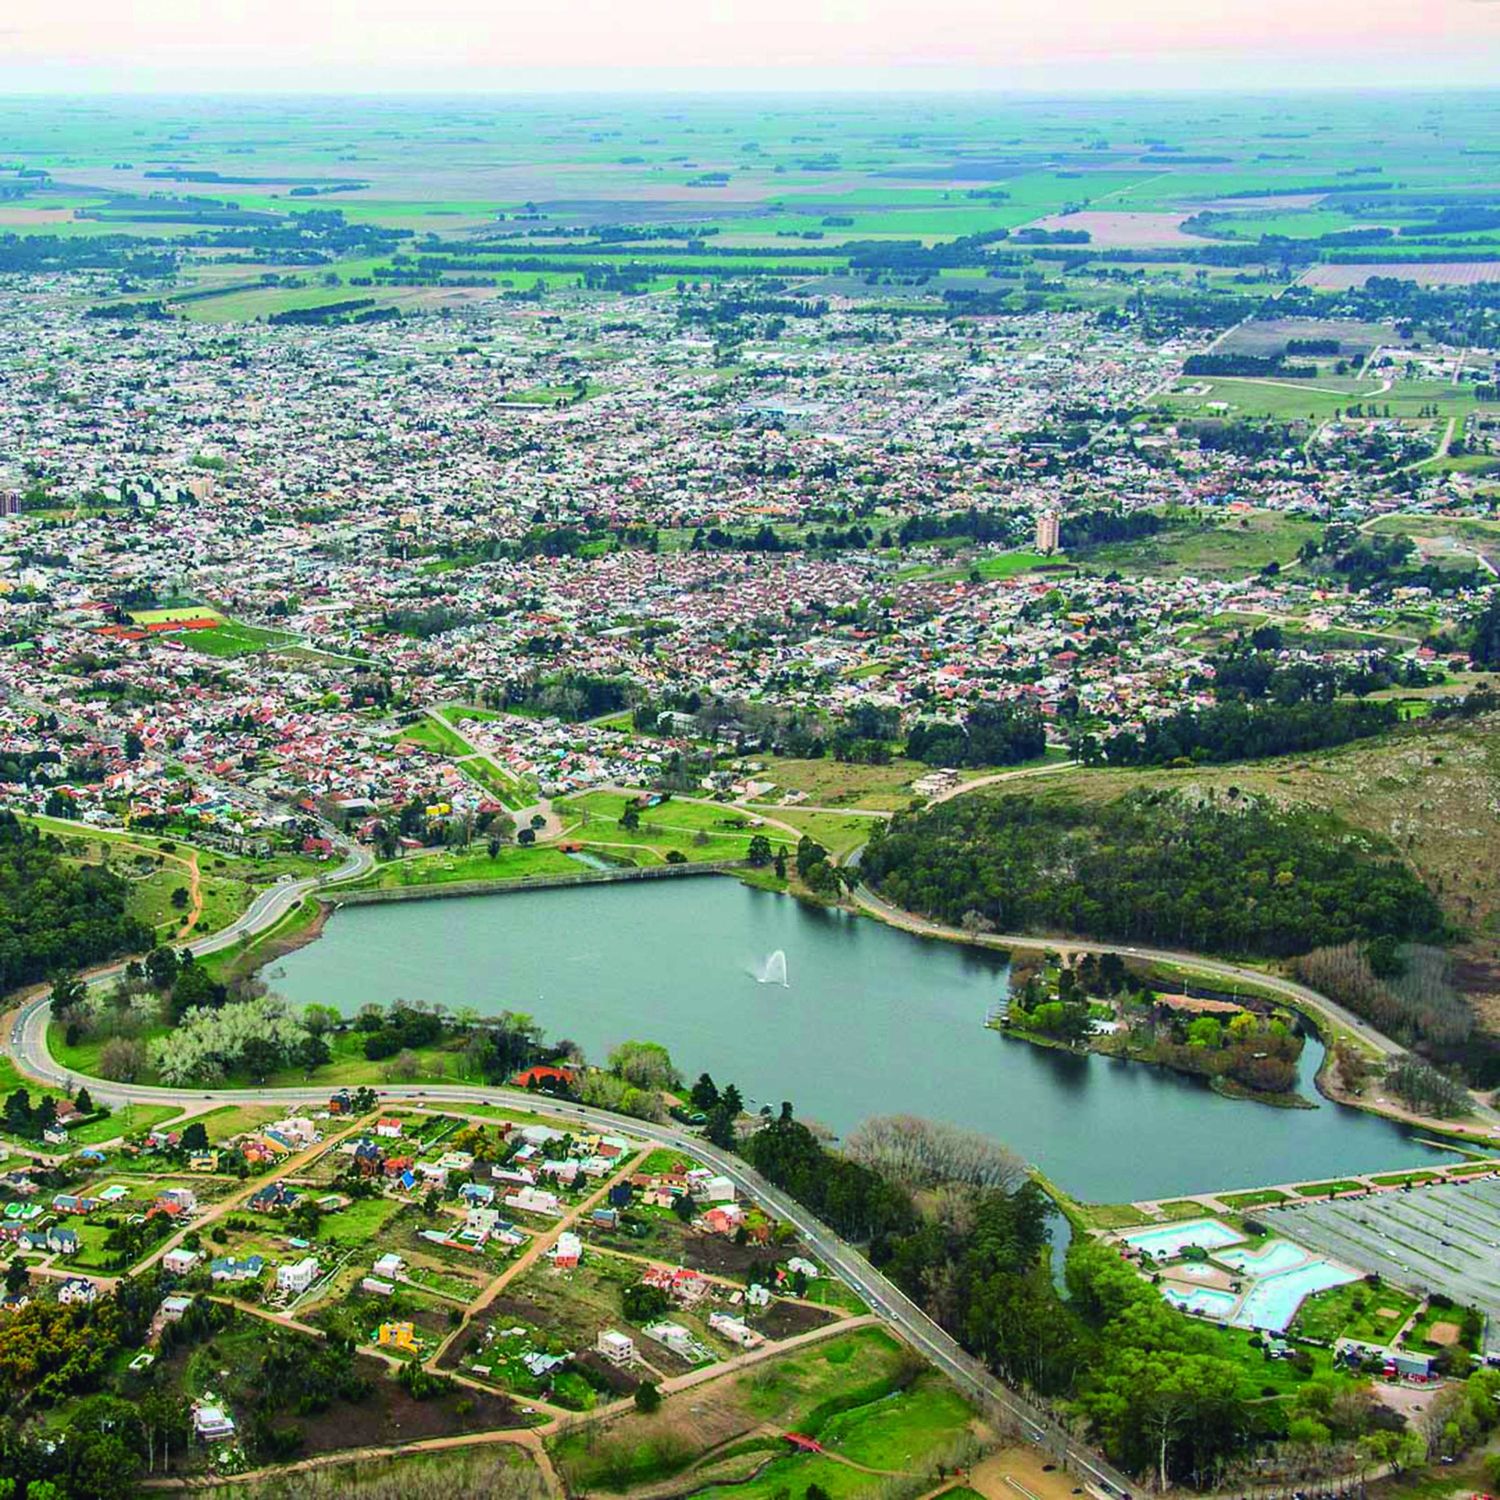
(1169, 1240)
(1273, 1301)
(1272, 1257)
(1201, 1299)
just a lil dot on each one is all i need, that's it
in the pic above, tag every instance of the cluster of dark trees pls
(1246, 673)
(1095, 528)
(1231, 877)
(1241, 731)
(399, 1029)
(350, 310)
(992, 734)
(570, 695)
(1246, 364)
(57, 915)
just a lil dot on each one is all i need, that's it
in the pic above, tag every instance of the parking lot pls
(1444, 1238)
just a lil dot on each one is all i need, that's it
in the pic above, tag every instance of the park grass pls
(433, 734)
(1328, 1189)
(513, 863)
(1211, 547)
(129, 1120)
(1263, 1198)
(234, 639)
(800, 1391)
(235, 1119)
(1353, 1311)
(1407, 1179)
(839, 833)
(826, 782)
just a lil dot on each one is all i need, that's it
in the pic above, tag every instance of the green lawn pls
(233, 639)
(1357, 1311)
(514, 862)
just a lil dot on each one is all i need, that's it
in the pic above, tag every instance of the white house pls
(618, 1348)
(714, 1190)
(298, 1276)
(481, 1221)
(212, 1423)
(388, 1266)
(78, 1289)
(172, 1308)
(735, 1331)
(180, 1261)
(676, 1338)
(534, 1201)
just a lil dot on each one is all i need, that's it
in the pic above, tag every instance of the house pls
(203, 1161)
(618, 1348)
(180, 1261)
(543, 1076)
(567, 1251)
(70, 1203)
(388, 1127)
(60, 1241)
(481, 1222)
(713, 1190)
(78, 1289)
(172, 1308)
(401, 1336)
(212, 1424)
(298, 1276)
(369, 1158)
(388, 1265)
(534, 1201)
(274, 1197)
(177, 1200)
(806, 1267)
(376, 1287)
(738, 1333)
(605, 1218)
(228, 1268)
(681, 1285)
(678, 1339)
(477, 1192)
(341, 1103)
(726, 1219)
(540, 1364)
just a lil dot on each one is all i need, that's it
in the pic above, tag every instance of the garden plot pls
(1444, 1238)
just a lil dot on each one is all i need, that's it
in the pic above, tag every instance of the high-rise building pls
(1046, 531)
(10, 503)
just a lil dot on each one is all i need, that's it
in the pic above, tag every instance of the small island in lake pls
(1245, 1046)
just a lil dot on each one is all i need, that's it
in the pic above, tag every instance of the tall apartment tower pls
(1046, 531)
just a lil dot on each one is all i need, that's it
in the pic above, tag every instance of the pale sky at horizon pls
(438, 45)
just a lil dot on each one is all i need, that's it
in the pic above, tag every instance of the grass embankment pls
(861, 1394)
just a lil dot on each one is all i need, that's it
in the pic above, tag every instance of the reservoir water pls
(869, 1020)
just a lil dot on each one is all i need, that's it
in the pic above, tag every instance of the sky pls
(436, 46)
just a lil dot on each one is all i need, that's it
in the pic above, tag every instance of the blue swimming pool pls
(1201, 1299)
(1272, 1257)
(1272, 1302)
(1169, 1240)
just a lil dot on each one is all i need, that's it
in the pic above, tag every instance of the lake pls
(872, 1020)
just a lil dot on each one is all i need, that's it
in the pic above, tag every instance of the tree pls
(313, 1053)
(194, 1136)
(705, 1094)
(68, 991)
(647, 1397)
(17, 1277)
(180, 898)
(122, 1059)
(320, 1019)
(759, 852)
(83, 1101)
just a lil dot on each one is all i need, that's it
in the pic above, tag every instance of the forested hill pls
(1214, 874)
(54, 915)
